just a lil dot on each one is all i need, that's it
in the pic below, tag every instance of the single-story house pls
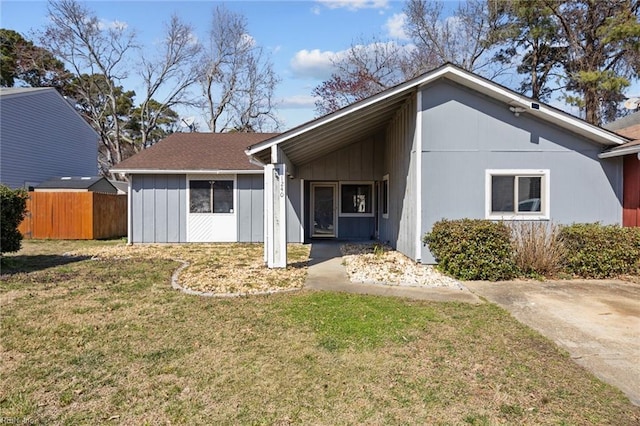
(42, 135)
(628, 126)
(77, 184)
(197, 187)
(447, 144)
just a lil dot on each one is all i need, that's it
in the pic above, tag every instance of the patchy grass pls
(218, 268)
(89, 342)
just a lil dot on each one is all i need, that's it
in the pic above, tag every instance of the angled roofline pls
(468, 79)
(186, 171)
(31, 91)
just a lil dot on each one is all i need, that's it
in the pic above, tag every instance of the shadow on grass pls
(298, 265)
(32, 263)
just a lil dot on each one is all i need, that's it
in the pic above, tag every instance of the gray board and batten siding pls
(42, 136)
(361, 161)
(465, 133)
(159, 208)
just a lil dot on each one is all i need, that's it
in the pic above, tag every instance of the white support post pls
(275, 190)
(279, 217)
(268, 214)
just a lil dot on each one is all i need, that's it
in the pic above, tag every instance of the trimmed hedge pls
(599, 251)
(13, 206)
(473, 249)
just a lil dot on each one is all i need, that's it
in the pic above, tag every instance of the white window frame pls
(213, 177)
(385, 181)
(545, 189)
(373, 198)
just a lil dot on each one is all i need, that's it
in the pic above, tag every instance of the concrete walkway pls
(326, 272)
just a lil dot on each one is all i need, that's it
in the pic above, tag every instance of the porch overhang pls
(330, 133)
(347, 125)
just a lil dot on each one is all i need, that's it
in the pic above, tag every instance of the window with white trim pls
(385, 197)
(211, 196)
(356, 199)
(517, 194)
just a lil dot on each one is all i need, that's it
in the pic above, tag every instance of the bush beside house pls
(485, 250)
(596, 251)
(473, 249)
(13, 205)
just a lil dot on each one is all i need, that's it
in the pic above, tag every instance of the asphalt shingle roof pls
(196, 151)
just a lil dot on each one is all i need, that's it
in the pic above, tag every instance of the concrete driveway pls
(597, 322)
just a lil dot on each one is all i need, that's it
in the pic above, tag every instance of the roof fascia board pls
(620, 152)
(185, 171)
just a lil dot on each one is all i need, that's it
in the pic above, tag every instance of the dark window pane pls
(385, 197)
(223, 196)
(529, 193)
(502, 194)
(200, 196)
(356, 199)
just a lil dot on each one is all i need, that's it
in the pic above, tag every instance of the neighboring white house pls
(43, 136)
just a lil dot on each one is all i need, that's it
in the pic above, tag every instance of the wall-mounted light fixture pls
(516, 110)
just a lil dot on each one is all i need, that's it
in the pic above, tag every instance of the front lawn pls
(109, 341)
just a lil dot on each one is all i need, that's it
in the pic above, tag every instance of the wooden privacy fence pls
(75, 216)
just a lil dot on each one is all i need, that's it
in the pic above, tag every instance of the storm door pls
(323, 210)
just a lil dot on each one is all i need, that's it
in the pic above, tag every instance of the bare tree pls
(366, 68)
(96, 53)
(169, 74)
(236, 76)
(463, 39)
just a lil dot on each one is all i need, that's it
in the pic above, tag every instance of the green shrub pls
(472, 249)
(13, 205)
(599, 251)
(538, 249)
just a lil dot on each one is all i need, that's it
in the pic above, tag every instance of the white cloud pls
(112, 25)
(395, 26)
(247, 40)
(313, 63)
(317, 64)
(354, 5)
(315, 10)
(297, 102)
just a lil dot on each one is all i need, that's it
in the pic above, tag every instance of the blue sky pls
(301, 36)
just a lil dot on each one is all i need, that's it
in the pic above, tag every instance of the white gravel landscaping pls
(374, 263)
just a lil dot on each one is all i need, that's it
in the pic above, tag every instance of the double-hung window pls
(211, 196)
(517, 194)
(356, 199)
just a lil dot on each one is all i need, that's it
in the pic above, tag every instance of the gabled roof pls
(322, 135)
(195, 153)
(72, 182)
